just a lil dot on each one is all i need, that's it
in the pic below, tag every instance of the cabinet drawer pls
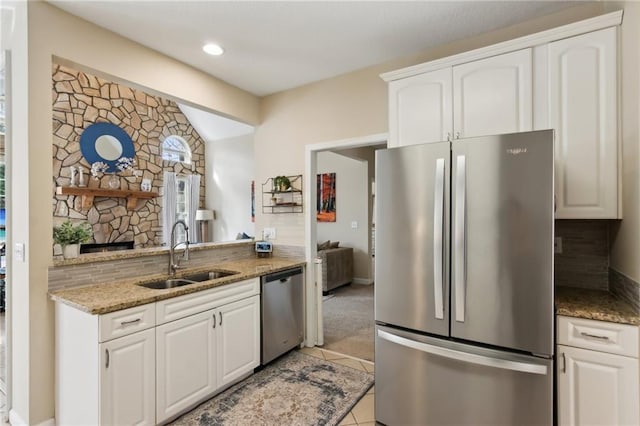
(621, 339)
(127, 321)
(182, 306)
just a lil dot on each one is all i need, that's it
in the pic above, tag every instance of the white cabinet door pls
(596, 388)
(127, 380)
(238, 339)
(420, 108)
(583, 112)
(494, 95)
(186, 355)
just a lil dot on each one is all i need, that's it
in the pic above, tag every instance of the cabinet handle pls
(457, 135)
(593, 336)
(214, 320)
(130, 322)
(220, 318)
(564, 363)
(449, 136)
(106, 364)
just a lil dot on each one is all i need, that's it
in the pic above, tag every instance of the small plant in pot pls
(69, 236)
(282, 183)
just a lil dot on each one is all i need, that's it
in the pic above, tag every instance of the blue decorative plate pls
(106, 142)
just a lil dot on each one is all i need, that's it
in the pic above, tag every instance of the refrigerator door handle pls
(438, 244)
(459, 259)
(503, 364)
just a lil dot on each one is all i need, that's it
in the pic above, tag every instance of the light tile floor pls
(362, 413)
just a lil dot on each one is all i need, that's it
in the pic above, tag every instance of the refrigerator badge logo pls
(516, 151)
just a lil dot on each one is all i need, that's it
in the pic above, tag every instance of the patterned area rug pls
(296, 389)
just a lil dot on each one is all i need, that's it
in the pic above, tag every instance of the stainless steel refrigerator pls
(464, 282)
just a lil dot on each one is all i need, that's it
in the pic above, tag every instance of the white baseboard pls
(362, 281)
(16, 420)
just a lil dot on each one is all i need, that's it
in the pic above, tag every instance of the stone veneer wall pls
(81, 99)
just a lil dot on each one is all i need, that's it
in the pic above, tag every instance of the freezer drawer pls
(427, 381)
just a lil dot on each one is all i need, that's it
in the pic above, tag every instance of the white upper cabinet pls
(485, 97)
(564, 78)
(583, 111)
(493, 96)
(420, 108)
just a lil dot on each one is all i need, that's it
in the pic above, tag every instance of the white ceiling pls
(276, 45)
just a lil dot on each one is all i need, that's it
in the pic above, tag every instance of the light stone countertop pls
(594, 304)
(104, 298)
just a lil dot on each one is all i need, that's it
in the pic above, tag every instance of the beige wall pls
(625, 234)
(52, 32)
(351, 206)
(351, 105)
(19, 287)
(230, 170)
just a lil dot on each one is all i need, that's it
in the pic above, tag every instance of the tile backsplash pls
(584, 261)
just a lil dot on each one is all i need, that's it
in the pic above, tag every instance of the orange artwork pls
(326, 198)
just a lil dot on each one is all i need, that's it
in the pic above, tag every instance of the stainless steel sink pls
(172, 283)
(188, 279)
(209, 275)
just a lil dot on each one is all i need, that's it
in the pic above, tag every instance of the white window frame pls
(176, 149)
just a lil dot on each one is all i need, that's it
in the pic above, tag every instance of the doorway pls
(350, 148)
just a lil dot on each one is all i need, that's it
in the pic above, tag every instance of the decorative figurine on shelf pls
(72, 176)
(81, 180)
(145, 185)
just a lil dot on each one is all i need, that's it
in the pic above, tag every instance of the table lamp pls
(204, 216)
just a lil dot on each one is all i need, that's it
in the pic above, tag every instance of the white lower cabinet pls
(185, 363)
(202, 353)
(238, 337)
(596, 387)
(147, 364)
(127, 380)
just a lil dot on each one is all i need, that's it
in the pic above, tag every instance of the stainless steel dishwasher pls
(282, 313)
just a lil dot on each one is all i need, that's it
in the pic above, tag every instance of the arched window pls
(176, 149)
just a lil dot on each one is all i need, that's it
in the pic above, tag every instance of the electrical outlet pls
(557, 245)
(354, 225)
(269, 233)
(18, 251)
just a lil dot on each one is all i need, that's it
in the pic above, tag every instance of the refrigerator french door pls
(464, 257)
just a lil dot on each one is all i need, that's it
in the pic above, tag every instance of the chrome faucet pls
(173, 263)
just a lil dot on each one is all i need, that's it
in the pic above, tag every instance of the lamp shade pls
(204, 214)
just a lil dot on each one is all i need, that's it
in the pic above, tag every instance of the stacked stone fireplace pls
(81, 99)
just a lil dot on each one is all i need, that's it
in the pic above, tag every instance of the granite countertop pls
(594, 304)
(110, 297)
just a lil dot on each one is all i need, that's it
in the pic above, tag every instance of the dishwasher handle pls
(278, 276)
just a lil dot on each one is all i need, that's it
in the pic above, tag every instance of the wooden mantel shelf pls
(89, 193)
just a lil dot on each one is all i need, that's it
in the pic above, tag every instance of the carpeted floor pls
(348, 321)
(296, 389)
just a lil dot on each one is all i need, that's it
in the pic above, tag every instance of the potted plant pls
(69, 236)
(282, 183)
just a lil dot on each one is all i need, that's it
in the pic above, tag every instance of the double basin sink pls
(188, 279)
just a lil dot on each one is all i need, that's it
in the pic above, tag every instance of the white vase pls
(71, 251)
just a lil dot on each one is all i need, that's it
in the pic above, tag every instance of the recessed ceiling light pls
(213, 49)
